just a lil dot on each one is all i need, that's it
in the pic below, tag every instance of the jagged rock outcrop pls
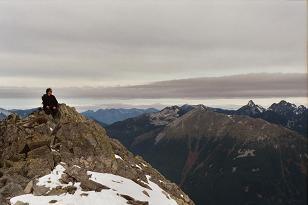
(33, 147)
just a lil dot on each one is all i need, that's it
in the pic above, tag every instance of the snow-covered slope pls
(120, 189)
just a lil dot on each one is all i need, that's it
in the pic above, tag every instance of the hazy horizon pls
(94, 104)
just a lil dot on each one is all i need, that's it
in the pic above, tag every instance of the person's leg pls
(55, 113)
(47, 111)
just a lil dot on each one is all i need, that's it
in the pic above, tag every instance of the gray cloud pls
(262, 85)
(72, 43)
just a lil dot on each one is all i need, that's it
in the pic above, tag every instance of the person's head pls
(49, 91)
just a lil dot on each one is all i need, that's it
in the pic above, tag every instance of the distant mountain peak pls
(251, 103)
(250, 109)
(174, 107)
(285, 103)
(165, 116)
(170, 113)
(284, 107)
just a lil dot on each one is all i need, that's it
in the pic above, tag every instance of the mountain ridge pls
(200, 148)
(111, 115)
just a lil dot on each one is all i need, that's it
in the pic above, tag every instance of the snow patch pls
(255, 169)
(231, 118)
(52, 180)
(159, 137)
(245, 153)
(260, 109)
(138, 166)
(118, 186)
(117, 157)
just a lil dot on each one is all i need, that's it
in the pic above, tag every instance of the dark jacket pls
(50, 101)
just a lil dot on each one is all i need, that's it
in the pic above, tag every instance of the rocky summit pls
(71, 160)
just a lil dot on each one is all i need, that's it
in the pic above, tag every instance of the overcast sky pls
(109, 43)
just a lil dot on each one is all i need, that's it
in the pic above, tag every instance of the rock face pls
(221, 159)
(35, 146)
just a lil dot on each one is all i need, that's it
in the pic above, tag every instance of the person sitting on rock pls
(50, 103)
